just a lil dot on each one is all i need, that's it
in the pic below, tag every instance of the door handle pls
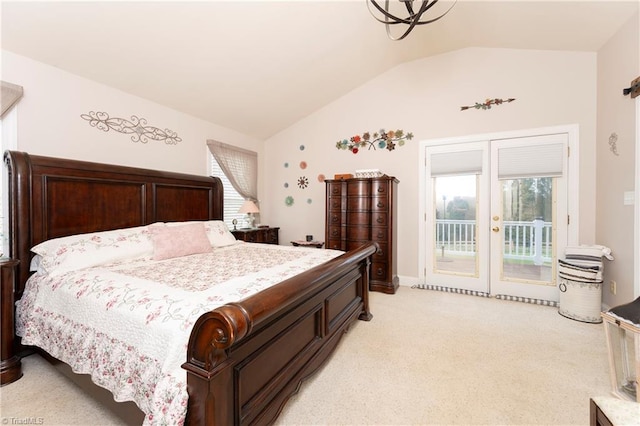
(495, 229)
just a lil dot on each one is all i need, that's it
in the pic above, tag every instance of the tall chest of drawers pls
(360, 210)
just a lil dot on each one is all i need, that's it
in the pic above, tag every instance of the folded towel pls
(584, 252)
(588, 264)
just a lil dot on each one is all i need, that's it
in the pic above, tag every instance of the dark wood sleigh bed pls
(245, 359)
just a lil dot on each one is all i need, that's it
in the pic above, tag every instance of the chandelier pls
(413, 18)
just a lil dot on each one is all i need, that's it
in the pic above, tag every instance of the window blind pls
(543, 160)
(232, 200)
(456, 163)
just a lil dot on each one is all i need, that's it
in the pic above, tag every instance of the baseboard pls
(408, 281)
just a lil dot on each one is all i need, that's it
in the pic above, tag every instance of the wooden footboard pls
(246, 359)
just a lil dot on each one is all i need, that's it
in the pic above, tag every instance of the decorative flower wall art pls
(382, 139)
(303, 182)
(137, 127)
(487, 104)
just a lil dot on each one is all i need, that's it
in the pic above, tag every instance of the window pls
(232, 200)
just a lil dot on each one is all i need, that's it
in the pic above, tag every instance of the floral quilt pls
(127, 324)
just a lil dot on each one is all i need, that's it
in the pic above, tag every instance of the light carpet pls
(427, 357)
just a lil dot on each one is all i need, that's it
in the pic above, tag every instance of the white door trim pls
(572, 130)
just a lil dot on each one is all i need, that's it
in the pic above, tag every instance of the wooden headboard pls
(54, 197)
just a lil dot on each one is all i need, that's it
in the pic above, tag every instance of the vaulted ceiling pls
(259, 66)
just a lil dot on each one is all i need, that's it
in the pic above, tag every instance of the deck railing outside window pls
(522, 240)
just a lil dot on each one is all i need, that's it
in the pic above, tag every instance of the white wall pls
(49, 122)
(618, 64)
(424, 97)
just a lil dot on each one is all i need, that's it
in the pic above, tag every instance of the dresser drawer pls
(335, 189)
(381, 255)
(379, 203)
(358, 233)
(379, 219)
(358, 204)
(379, 188)
(336, 218)
(379, 271)
(352, 245)
(359, 187)
(380, 234)
(335, 203)
(359, 218)
(335, 232)
(336, 245)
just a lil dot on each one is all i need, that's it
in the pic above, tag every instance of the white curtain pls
(10, 94)
(239, 165)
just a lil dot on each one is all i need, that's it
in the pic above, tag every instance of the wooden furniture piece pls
(245, 359)
(304, 243)
(257, 235)
(361, 210)
(596, 416)
(10, 365)
(611, 411)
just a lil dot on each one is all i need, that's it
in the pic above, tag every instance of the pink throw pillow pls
(176, 241)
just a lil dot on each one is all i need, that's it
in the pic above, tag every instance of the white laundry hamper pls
(580, 292)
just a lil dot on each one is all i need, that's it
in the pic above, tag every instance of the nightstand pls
(305, 243)
(257, 235)
(10, 364)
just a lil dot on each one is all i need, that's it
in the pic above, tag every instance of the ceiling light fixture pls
(414, 17)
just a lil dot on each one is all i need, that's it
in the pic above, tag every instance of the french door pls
(496, 215)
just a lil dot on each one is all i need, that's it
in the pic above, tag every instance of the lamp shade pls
(249, 207)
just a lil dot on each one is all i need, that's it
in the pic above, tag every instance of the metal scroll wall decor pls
(487, 104)
(613, 143)
(137, 127)
(383, 139)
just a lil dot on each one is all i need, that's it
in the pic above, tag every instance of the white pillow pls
(219, 233)
(61, 255)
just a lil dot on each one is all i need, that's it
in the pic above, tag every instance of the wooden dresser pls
(360, 210)
(257, 235)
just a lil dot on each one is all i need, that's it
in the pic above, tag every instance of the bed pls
(245, 358)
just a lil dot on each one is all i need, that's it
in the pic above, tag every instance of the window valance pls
(10, 95)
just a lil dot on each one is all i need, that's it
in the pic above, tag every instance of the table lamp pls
(249, 208)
